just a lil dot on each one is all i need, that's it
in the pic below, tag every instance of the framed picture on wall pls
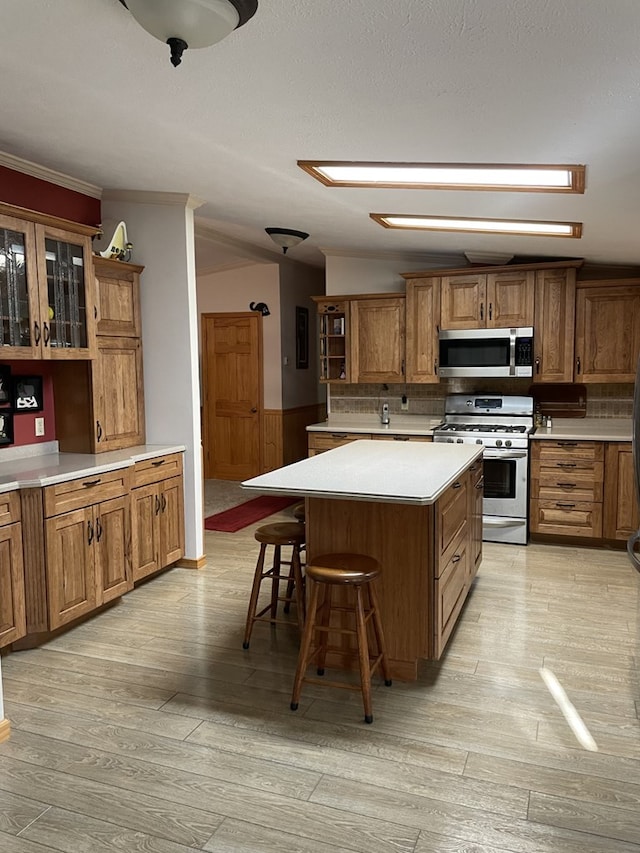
(5, 384)
(27, 394)
(6, 427)
(302, 337)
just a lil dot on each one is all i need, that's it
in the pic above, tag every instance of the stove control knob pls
(449, 441)
(498, 442)
(458, 441)
(478, 441)
(507, 443)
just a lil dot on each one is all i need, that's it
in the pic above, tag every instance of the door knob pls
(254, 410)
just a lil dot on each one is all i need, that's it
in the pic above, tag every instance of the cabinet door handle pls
(46, 334)
(89, 533)
(480, 483)
(456, 485)
(88, 483)
(578, 364)
(435, 367)
(36, 332)
(164, 503)
(99, 430)
(95, 312)
(491, 310)
(157, 505)
(565, 506)
(402, 367)
(482, 310)
(158, 462)
(537, 364)
(98, 529)
(456, 558)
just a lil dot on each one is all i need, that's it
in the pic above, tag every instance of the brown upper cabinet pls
(118, 297)
(553, 328)
(423, 313)
(47, 298)
(487, 300)
(378, 339)
(607, 330)
(335, 361)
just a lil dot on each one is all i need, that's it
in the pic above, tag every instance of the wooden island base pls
(429, 555)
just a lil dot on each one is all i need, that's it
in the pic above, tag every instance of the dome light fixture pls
(190, 23)
(286, 238)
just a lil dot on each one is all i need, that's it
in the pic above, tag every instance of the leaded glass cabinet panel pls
(20, 333)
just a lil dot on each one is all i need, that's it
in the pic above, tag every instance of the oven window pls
(499, 478)
(485, 352)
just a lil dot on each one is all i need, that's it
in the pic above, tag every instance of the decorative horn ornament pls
(260, 306)
(118, 247)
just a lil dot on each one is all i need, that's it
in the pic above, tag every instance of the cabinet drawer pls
(450, 593)
(329, 440)
(567, 484)
(552, 452)
(451, 520)
(400, 437)
(9, 508)
(154, 470)
(566, 518)
(88, 490)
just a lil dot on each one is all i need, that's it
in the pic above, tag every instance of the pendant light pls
(286, 238)
(186, 24)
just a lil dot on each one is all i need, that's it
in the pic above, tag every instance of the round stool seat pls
(298, 511)
(343, 569)
(281, 533)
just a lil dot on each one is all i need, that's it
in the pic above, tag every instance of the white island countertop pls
(369, 470)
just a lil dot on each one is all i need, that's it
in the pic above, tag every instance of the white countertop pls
(368, 470)
(587, 429)
(400, 424)
(581, 429)
(52, 468)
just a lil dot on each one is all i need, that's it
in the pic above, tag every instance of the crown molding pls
(187, 200)
(26, 167)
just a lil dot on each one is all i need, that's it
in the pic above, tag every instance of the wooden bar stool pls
(278, 535)
(357, 572)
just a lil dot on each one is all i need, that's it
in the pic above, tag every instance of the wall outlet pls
(404, 404)
(39, 422)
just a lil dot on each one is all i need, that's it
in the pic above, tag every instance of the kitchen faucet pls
(384, 415)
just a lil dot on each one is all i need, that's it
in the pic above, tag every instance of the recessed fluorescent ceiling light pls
(448, 176)
(484, 226)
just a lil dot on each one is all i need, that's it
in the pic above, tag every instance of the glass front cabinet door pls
(47, 304)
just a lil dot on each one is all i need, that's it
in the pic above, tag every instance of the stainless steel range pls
(502, 425)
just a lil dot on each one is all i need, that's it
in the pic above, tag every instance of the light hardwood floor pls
(150, 729)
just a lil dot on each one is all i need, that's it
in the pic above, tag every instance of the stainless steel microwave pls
(486, 352)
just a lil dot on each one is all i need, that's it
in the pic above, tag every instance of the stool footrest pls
(324, 682)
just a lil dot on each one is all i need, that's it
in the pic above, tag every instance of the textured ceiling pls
(84, 90)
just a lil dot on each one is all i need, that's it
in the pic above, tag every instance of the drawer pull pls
(401, 438)
(566, 464)
(338, 435)
(567, 443)
(567, 485)
(565, 506)
(456, 558)
(88, 483)
(456, 486)
(158, 462)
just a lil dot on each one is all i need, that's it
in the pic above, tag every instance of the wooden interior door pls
(232, 395)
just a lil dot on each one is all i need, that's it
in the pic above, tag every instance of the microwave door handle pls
(512, 352)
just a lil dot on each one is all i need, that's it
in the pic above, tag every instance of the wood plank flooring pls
(149, 728)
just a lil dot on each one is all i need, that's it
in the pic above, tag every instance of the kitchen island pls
(417, 509)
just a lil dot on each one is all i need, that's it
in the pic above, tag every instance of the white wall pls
(233, 290)
(298, 282)
(160, 226)
(346, 275)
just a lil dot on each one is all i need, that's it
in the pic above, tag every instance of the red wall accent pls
(36, 194)
(24, 431)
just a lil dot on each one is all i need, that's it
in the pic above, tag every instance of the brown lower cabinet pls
(12, 611)
(158, 514)
(321, 441)
(621, 517)
(77, 548)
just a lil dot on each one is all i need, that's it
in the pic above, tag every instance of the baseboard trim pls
(200, 563)
(5, 730)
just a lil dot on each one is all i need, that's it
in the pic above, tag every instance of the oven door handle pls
(489, 521)
(508, 454)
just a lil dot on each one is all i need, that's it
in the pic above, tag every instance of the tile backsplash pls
(603, 401)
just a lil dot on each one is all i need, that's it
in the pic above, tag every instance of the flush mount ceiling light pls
(190, 23)
(448, 176)
(286, 238)
(480, 226)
